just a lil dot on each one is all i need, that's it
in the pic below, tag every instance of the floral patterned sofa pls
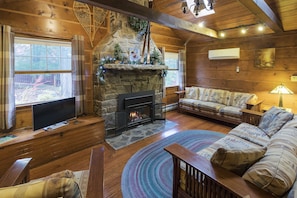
(250, 161)
(216, 103)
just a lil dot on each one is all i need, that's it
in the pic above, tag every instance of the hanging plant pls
(137, 24)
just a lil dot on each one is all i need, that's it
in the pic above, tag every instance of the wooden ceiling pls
(231, 15)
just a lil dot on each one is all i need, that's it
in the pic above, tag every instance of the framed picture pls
(265, 58)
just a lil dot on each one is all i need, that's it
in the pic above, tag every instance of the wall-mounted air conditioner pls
(230, 53)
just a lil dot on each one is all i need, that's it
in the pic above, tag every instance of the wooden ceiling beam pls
(264, 13)
(133, 9)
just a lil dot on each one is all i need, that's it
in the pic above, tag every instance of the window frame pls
(176, 55)
(46, 42)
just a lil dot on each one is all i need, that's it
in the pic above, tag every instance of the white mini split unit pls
(221, 54)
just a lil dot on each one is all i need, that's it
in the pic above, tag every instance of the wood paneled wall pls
(165, 37)
(222, 73)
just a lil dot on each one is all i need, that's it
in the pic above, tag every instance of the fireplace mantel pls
(134, 67)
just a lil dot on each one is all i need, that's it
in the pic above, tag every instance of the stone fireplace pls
(128, 79)
(141, 83)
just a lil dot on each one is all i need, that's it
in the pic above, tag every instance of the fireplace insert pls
(135, 109)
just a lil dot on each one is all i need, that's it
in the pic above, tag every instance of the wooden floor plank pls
(115, 160)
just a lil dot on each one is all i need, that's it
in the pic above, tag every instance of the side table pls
(251, 117)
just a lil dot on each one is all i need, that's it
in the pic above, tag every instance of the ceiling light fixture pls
(260, 27)
(243, 30)
(201, 24)
(198, 8)
(184, 7)
(222, 34)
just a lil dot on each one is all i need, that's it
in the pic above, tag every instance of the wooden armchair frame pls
(19, 173)
(206, 180)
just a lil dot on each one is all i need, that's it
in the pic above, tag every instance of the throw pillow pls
(192, 92)
(273, 120)
(61, 174)
(49, 188)
(237, 161)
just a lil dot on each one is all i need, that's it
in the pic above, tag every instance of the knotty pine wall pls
(56, 20)
(222, 73)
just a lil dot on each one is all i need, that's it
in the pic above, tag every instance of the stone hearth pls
(121, 79)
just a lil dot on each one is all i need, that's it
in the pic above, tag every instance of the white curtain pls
(7, 100)
(78, 78)
(182, 69)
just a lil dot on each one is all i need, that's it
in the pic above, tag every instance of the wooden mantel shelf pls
(134, 67)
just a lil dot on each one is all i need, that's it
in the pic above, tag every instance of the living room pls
(57, 21)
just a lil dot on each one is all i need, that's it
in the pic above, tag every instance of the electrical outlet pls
(237, 69)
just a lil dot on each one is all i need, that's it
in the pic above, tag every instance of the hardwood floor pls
(116, 160)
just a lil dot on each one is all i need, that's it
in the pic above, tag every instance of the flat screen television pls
(47, 115)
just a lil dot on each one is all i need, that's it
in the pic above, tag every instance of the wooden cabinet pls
(44, 146)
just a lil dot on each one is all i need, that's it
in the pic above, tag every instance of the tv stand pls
(55, 126)
(43, 147)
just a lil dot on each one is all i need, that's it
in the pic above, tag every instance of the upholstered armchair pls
(79, 184)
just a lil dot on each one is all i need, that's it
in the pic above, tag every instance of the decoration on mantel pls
(102, 69)
(91, 22)
(100, 75)
(135, 67)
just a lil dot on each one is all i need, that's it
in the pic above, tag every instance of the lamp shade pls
(281, 89)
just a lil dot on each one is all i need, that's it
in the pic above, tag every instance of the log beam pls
(264, 13)
(142, 12)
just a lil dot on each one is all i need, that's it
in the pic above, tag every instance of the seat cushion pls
(273, 120)
(237, 161)
(82, 178)
(229, 142)
(251, 133)
(276, 171)
(231, 111)
(209, 106)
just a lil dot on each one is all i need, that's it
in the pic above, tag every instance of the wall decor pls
(265, 58)
(90, 20)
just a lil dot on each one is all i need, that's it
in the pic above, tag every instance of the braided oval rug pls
(148, 173)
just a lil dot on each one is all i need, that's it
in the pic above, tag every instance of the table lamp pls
(281, 89)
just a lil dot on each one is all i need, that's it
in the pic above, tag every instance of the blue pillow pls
(273, 120)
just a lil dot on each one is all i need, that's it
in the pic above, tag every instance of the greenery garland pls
(137, 24)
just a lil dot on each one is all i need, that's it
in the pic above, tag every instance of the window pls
(172, 78)
(42, 70)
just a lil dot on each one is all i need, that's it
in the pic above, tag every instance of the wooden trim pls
(96, 175)
(18, 173)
